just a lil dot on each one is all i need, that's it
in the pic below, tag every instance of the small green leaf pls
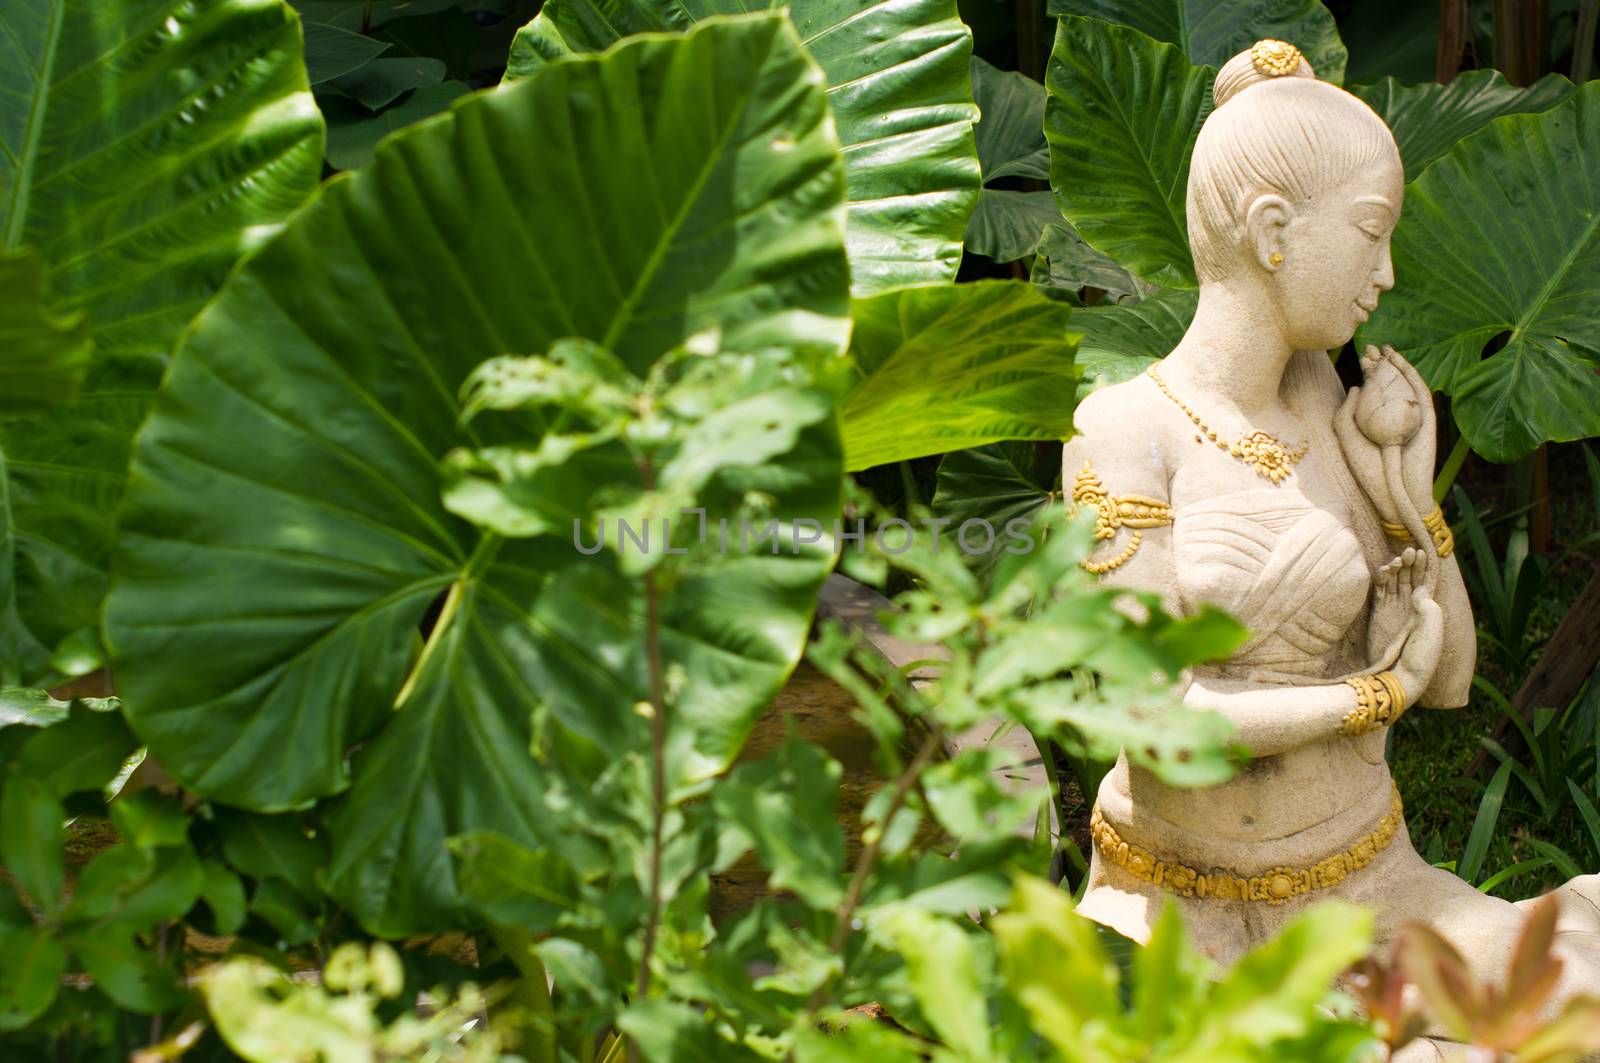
(136, 887)
(1054, 965)
(1273, 992)
(147, 819)
(668, 1032)
(31, 839)
(125, 972)
(943, 367)
(224, 895)
(1170, 979)
(286, 911)
(942, 968)
(1122, 117)
(32, 962)
(977, 878)
(783, 807)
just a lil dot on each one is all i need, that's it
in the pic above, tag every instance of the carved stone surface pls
(1241, 473)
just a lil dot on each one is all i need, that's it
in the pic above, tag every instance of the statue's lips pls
(1364, 310)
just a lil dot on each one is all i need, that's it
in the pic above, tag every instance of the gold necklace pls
(1262, 451)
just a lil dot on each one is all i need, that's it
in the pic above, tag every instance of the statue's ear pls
(1265, 224)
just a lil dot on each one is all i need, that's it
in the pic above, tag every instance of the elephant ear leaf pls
(943, 367)
(1505, 231)
(144, 146)
(43, 353)
(291, 464)
(1122, 114)
(1211, 32)
(1428, 120)
(900, 86)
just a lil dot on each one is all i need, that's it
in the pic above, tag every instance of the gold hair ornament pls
(1274, 887)
(1380, 701)
(1444, 540)
(1275, 58)
(1113, 512)
(1262, 451)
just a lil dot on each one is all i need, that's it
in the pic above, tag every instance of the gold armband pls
(1113, 512)
(1443, 540)
(1380, 700)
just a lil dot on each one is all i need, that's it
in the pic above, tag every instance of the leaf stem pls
(844, 915)
(658, 758)
(1452, 466)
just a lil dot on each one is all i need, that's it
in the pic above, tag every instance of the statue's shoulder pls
(1123, 433)
(1116, 410)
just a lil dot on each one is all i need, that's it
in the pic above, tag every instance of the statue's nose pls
(1384, 277)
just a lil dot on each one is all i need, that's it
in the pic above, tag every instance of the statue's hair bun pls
(1266, 60)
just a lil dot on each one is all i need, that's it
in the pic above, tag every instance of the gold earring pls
(1275, 258)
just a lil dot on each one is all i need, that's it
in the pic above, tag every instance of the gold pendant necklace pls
(1262, 451)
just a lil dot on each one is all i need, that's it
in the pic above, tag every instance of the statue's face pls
(1336, 259)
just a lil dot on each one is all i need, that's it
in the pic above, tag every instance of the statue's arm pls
(1452, 680)
(1273, 719)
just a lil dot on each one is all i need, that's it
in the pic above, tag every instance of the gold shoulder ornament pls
(1115, 512)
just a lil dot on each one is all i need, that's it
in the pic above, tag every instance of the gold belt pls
(1274, 887)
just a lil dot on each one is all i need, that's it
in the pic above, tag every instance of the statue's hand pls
(1393, 405)
(1392, 607)
(1420, 655)
(1364, 457)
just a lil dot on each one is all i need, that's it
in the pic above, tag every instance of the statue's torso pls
(1285, 561)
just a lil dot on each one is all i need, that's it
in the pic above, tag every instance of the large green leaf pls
(1010, 131)
(1211, 32)
(1428, 119)
(901, 91)
(1063, 262)
(999, 483)
(1501, 240)
(1121, 118)
(1010, 225)
(42, 353)
(1120, 342)
(942, 367)
(144, 145)
(289, 467)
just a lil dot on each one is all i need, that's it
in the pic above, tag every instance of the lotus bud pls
(1387, 411)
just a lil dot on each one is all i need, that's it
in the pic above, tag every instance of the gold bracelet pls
(1380, 701)
(1443, 540)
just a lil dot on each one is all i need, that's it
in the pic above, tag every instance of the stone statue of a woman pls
(1238, 471)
